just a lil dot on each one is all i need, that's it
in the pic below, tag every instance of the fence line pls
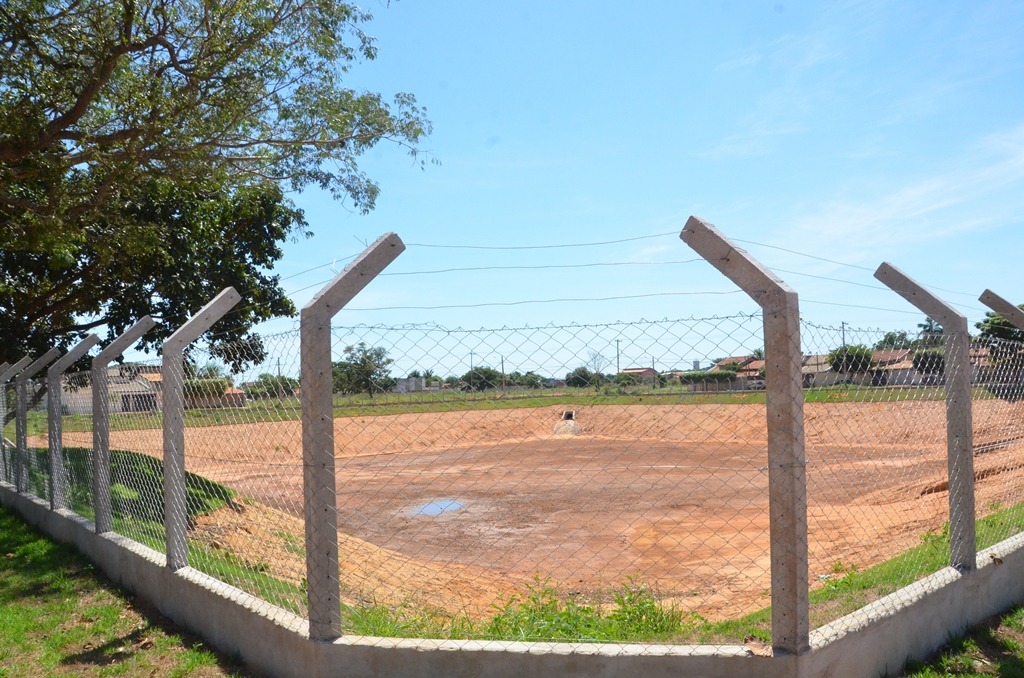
(484, 489)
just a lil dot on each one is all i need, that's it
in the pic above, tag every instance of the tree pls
(482, 378)
(527, 380)
(146, 147)
(627, 379)
(210, 370)
(596, 362)
(850, 359)
(757, 354)
(1005, 343)
(582, 377)
(930, 332)
(930, 361)
(364, 370)
(893, 341)
(172, 250)
(995, 326)
(271, 386)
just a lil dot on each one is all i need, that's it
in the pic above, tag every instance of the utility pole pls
(842, 326)
(503, 375)
(280, 388)
(617, 368)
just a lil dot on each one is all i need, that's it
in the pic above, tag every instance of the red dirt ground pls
(674, 495)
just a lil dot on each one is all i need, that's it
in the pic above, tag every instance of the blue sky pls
(854, 132)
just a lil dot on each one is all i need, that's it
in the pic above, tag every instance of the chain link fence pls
(563, 482)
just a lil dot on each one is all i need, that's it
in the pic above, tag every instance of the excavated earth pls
(457, 511)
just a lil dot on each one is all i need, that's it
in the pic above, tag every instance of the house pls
(816, 371)
(129, 389)
(749, 371)
(646, 374)
(725, 364)
(409, 385)
(894, 367)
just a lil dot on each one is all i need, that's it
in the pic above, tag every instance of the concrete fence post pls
(319, 491)
(21, 417)
(963, 548)
(1013, 315)
(6, 374)
(787, 481)
(100, 381)
(175, 495)
(54, 420)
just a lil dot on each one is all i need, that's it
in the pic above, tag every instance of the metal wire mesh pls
(878, 482)
(559, 464)
(243, 452)
(545, 483)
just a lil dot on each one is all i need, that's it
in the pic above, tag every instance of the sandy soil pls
(676, 496)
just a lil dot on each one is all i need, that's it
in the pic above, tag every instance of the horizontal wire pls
(841, 263)
(538, 301)
(541, 247)
(537, 267)
(316, 268)
(804, 254)
(869, 308)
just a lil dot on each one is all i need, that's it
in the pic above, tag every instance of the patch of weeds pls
(293, 543)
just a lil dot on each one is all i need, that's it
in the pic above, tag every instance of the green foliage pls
(894, 340)
(146, 149)
(850, 359)
(364, 370)
(527, 380)
(705, 376)
(542, 615)
(930, 332)
(582, 377)
(271, 386)
(995, 326)
(930, 361)
(627, 379)
(206, 388)
(482, 379)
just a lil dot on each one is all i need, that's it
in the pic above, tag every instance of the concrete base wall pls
(874, 641)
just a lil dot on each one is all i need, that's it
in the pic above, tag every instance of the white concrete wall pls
(876, 640)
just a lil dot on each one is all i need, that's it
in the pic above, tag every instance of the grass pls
(59, 617)
(137, 505)
(289, 409)
(993, 648)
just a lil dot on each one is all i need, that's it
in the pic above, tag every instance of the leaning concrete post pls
(320, 497)
(101, 421)
(963, 548)
(787, 483)
(175, 497)
(1013, 315)
(8, 373)
(54, 419)
(21, 417)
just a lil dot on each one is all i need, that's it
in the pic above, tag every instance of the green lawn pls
(60, 617)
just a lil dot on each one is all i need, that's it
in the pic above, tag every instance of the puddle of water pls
(435, 508)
